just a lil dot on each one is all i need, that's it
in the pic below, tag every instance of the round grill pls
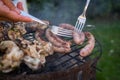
(58, 61)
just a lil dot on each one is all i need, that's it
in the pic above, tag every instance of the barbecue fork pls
(55, 29)
(81, 19)
(61, 31)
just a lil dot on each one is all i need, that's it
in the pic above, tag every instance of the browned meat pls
(58, 43)
(90, 45)
(78, 38)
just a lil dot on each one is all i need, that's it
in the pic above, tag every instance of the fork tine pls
(61, 31)
(69, 32)
(80, 27)
(83, 23)
(65, 31)
(76, 24)
(64, 35)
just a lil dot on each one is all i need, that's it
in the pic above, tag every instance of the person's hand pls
(8, 12)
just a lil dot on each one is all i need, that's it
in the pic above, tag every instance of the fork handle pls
(32, 17)
(86, 6)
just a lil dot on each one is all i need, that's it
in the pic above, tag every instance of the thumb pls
(20, 5)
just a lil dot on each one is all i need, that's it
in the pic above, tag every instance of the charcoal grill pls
(59, 66)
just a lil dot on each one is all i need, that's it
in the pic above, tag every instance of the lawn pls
(108, 33)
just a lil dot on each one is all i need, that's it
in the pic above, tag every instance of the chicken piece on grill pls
(35, 54)
(32, 62)
(10, 57)
(14, 34)
(20, 26)
(17, 31)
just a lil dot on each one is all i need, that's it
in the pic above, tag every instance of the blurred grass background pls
(108, 33)
(104, 14)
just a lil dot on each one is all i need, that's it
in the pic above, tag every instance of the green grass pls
(108, 33)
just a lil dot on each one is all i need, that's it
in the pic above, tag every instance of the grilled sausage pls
(55, 40)
(38, 36)
(67, 26)
(59, 45)
(61, 49)
(12, 56)
(90, 45)
(78, 38)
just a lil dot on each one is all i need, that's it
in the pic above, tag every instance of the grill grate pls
(59, 62)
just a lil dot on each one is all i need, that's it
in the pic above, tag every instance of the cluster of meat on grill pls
(15, 49)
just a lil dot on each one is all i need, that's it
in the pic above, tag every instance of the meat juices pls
(90, 45)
